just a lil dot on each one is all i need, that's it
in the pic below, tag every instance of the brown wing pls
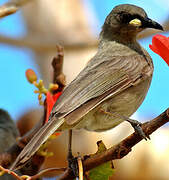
(96, 80)
(101, 79)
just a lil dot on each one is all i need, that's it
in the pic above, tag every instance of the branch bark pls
(121, 149)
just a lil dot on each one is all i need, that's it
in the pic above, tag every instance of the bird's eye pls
(125, 18)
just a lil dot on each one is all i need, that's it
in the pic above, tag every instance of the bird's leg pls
(137, 128)
(72, 161)
(70, 145)
(134, 123)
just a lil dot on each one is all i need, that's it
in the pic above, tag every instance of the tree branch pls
(11, 7)
(41, 45)
(121, 149)
(57, 63)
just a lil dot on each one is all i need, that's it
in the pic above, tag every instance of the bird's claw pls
(73, 164)
(138, 129)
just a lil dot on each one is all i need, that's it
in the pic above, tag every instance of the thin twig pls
(80, 166)
(12, 7)
(40, 174)
(57, 63)
(10, 172)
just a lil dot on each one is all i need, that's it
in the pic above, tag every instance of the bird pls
(8, 135)
(8, 131)
(112, 85)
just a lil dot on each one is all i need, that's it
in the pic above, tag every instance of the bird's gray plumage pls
(116, 79)
(8, 131)
(8, 135)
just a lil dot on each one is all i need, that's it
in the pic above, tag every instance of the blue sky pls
(17, 95)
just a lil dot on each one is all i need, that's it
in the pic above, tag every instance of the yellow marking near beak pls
(135, 22)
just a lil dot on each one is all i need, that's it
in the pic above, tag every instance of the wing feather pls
(97, 79)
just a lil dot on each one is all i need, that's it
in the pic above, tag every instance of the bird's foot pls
(73, 164)
(138, 129)
(135, 124)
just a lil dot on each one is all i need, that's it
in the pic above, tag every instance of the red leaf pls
(160, 45)
(50, 101)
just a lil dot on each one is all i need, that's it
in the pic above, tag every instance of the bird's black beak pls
(148, 23)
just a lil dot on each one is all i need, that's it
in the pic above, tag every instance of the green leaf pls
(102, 172)
(100, 147)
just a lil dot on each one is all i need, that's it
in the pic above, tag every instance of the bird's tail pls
(40, 137)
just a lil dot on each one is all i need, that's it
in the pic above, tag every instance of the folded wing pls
(98, 81)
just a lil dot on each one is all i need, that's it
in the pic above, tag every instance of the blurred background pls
(28, 39)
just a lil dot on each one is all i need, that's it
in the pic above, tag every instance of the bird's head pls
(128, 20)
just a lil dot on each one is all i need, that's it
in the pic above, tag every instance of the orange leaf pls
(31, 75)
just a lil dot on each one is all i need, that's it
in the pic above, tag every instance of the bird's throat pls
(123, 37)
